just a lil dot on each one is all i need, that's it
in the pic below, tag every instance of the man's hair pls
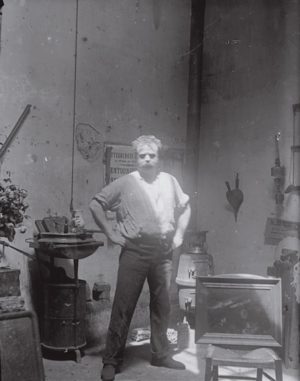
(146, 140)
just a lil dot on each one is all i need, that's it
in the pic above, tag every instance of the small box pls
(101, 291)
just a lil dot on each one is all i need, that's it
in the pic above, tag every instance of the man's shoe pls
(168, 362)
(108, 372)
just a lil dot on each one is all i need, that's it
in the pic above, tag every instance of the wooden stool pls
(259, 358)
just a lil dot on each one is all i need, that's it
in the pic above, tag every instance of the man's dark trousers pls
(135, 266)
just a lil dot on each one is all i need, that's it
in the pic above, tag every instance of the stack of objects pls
(20, 354)
(194, 261)
(140, 334)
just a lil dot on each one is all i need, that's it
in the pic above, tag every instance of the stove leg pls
(77, 355)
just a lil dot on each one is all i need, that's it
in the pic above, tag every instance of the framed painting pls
(243, 310)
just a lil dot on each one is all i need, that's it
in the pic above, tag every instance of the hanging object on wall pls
(277, 172)
(294, 176)
(89, 141)
(235, 196)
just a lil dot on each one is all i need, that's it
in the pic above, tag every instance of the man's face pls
(147, 156)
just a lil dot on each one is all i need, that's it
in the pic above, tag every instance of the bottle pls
(183, 334)
(66, 227)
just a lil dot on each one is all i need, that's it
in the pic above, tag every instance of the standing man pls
(152, 215)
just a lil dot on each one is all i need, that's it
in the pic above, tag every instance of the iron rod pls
(15, 130)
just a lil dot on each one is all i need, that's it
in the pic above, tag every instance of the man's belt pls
(155, 241)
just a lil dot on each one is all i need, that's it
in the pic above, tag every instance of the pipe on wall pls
(194, 103)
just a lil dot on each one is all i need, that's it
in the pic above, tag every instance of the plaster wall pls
(250, 82)
(125, 76)
(131, 78)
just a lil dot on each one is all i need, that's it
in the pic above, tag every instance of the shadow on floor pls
(136, 367)
(60, 367)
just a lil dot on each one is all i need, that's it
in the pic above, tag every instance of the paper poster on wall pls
(277, 229)
(119, 161)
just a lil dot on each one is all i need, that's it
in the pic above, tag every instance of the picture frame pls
(238, 310)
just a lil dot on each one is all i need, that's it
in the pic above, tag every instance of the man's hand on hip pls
(116, 238)
(177, 241)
